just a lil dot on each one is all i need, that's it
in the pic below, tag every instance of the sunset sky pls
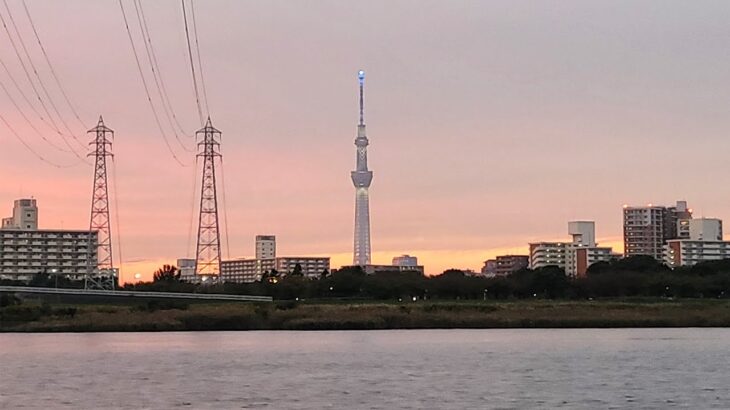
(491, 124)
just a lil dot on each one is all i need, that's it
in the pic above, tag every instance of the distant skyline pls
(491, 124)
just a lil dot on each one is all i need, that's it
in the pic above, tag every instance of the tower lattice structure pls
(101, 275)
(208, 252)
(362, 178)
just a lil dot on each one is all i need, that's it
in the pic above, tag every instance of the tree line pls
(635, 276)
(638, 276)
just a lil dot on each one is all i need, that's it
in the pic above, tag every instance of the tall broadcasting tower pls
(208, 252)
(361, 178)
(100, 221)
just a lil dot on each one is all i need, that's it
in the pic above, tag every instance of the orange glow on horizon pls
(434, 261)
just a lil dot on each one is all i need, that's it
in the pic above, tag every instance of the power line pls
(53, 71)
(30, 123)
(29, 148)
(157, 74)
(192, 65)
(32, 84)
(38, 77)
(225, 210)
(116, 216)
(20, 90)
(200, 64)
(192, 208)
(146, 88)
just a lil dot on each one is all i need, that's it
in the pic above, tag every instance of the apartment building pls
(648, 228)
(704, 244)
(26, 251)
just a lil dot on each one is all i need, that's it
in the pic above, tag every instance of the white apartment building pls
(246, 270)
(312, 266)
(186, 267)
(265, 246)
(26, 251)
(574, 257)
(544, 254)
(579, 258)
(252, 270)
(25, 215)
(705, 244)
(583, 233)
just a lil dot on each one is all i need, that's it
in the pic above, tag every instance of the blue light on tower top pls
(361, 76)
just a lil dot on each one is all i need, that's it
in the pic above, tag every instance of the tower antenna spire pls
(361, 77)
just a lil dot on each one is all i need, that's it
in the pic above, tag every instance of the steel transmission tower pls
(103, 275)
(208, 253)
(361, 178)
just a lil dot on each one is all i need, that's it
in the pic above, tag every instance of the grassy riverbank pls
(35, 317)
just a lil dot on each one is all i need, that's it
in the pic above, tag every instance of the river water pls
(408, 369)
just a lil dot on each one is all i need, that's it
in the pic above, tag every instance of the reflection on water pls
(410, 369)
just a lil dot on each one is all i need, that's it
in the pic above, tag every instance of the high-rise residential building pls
(265, 246)
(25, 215)
(704, 244)
(405, 260)
(26, 250)
(362, 178)
(574, 257)
(504, 265)
(648, 228)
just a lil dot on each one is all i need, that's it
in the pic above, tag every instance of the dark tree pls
(167, 273)
(297, 270)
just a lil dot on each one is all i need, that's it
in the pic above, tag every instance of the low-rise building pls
(244, 270)
(378, 269)
(405, 260)
(252, 270)
(312, 267)
(490, 267)
(504, 265)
